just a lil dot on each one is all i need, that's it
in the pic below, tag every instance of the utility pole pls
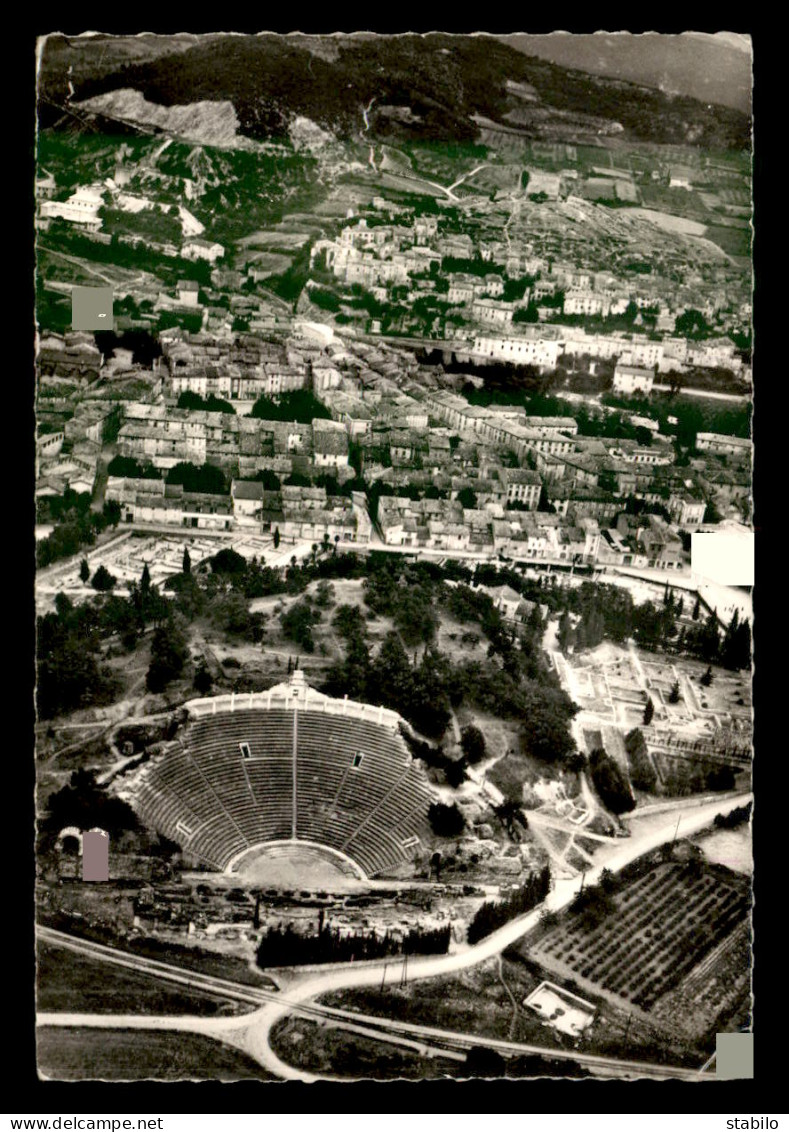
(383, 977)
(674, 838)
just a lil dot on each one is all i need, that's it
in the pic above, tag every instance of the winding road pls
(252, 1032)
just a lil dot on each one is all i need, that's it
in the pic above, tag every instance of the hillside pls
(704, 67)
(445, 81)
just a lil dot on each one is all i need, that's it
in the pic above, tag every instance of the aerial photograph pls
(389, 723)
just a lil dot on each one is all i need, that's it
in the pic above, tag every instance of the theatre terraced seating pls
(228, 784)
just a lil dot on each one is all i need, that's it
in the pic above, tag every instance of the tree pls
(145, 581)
(649, 711)
(707, 678)
(472, 742)
(565, 632)
(391, 679)
(203, 680)
(735, 648)
(455, 772)
(691, 324)
(673, 696)
(446, 821)
(697, 609)
(610, 783)
(231, 613)
(467, 499)
(84, 570)
(484, 1063)
(204, 478)
(276, 538)
(324, 595)
(103, 580)
(168, 656)
(228, 561)
(297, 624)
(186, 565)
(608, 881)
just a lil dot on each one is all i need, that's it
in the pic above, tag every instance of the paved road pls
(257, 1026)
(382, 974)
(242, 1032)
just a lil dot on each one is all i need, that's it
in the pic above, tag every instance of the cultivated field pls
(665, 923)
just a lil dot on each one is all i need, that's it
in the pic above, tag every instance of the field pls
(663, 926)
(734, 241)
(74, 983)
(75, 1054)
(327, 1050)
(489, 1000)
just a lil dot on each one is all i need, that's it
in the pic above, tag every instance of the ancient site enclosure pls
(390, 722)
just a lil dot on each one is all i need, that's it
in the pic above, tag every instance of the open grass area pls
(488, 1000)
(326, 1049)
(74, 983)
(81, 1054)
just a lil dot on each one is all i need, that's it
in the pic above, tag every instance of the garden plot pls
(662, 926)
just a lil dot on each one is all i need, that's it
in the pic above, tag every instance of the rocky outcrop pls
(210, 123)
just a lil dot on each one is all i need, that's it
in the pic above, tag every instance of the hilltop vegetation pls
(442, 81)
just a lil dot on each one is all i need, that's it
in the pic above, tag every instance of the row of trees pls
(610, 783)
(606, 612)
(210, 404)
(494, 914)
(642, 773)
(734, 818)
(286, 947)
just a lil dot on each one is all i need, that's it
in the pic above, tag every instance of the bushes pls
(610, 784)
(642, 773)
(168, 656)
(446, 821)
(205, 478)
(297, 624)
(103, 580)
(286, 947)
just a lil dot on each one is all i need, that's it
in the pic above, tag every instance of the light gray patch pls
(95, 855)
(733, 1056)
(91, 308)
